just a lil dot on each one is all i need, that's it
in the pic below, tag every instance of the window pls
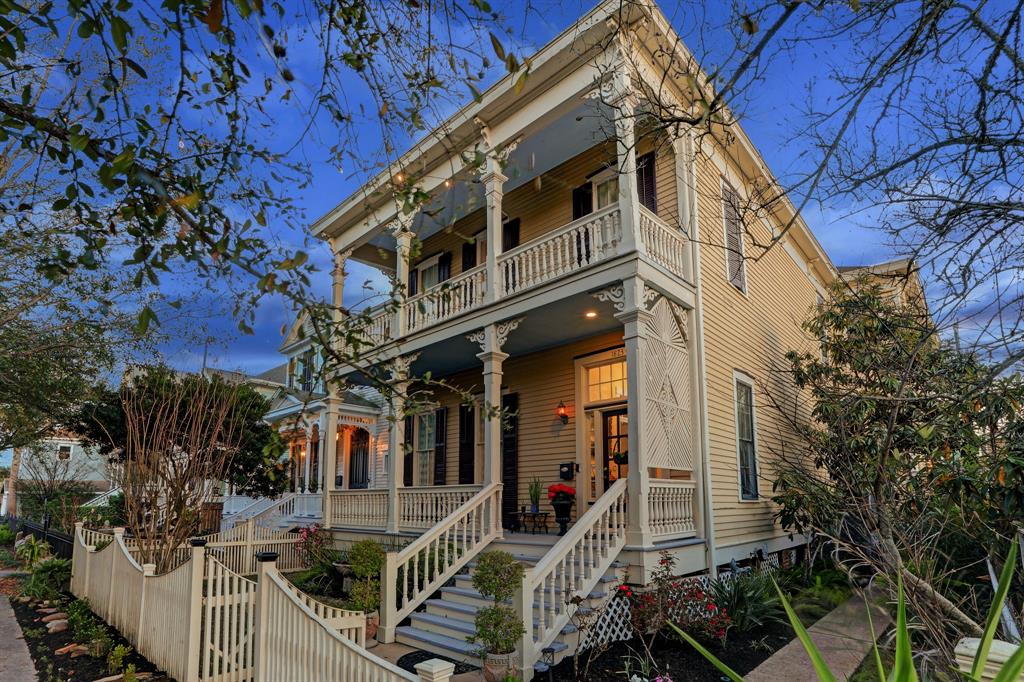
(425, 424)
(745, 439)
(645, 183)
(607, 191)
(304, 371)
(735, 266)
(64, 452)
(430, 272)
(606, 382)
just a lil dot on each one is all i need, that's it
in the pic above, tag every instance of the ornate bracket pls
(340, 258)
(501, 332)
(617, 296)
(399, 366)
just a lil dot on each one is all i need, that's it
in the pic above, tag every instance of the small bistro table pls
(536, 520)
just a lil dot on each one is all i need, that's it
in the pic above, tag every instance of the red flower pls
(560, 489)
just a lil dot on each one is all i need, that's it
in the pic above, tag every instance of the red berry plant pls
(667, 598)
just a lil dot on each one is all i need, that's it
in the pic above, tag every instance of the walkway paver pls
(843, 637)
(15, 662)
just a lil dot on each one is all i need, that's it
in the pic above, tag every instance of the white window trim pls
(425, 264)
(741, 377)
(723, 185)
(582, 406)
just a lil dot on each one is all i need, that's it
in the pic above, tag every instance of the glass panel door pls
(616, 446)
(359, 460)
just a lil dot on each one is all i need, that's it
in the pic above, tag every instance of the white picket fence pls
(203, 622)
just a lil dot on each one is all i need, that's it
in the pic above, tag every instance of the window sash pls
(746, 440)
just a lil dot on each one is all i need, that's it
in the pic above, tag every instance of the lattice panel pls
(667, 426)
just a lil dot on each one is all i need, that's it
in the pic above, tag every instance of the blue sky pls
(770, 112)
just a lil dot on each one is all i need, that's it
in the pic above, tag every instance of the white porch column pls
(493, 181)
(327, 456)
(403, 244)
(305, 462)
(624, 102)
(399, 371)
(491, 339)
(634, 316)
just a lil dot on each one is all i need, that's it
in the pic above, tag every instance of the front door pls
(615, 445)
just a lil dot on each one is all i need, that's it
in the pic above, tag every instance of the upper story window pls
(430, 272)
(63, 452)
(304, 372)
(606, 382)
(746, 437)
(602, 188)
(736, 267)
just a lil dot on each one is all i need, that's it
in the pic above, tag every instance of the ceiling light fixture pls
(590, 314)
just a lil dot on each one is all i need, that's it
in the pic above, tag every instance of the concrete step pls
(456, 649)
(458, 618)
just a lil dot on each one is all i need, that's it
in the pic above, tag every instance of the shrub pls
(497, 575)
(316, 547)
(366, 558)
(49, 578)
(115, 659)
(750, 600)
(364, 595)
(6, 535)
(32, 550)
(498, 629)
(824, 594)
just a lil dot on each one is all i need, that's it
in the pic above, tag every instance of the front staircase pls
(447, 623)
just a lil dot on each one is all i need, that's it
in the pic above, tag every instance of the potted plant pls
(535, 488)
(498, 627)
(562, 498)
(366, 559)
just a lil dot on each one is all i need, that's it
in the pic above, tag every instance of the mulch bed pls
(51, 666)
(679, 660)
(409, 661)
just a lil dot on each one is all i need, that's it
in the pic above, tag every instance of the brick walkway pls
(15, 662)
(843, 638)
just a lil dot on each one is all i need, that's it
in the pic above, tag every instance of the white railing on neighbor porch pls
(419, 508)
(257, 508)
(571, 567)
(577, 245)
(667, 246)
(427, 563)
(670, 506)
(447, 299)
(357, 509)
(202, 622)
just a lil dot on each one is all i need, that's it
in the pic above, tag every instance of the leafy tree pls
(254, 461)
(916, 458)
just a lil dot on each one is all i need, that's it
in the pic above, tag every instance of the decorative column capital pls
(340, 259)
(398, 368)
(492, 338)
(629, 296)
(401, 224)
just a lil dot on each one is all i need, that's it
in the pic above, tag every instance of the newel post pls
(389, 598)
(435, 670)
(197, 547)
(522, 602)
(265, 563)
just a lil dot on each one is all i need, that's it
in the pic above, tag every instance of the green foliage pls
(497, 575)
(535, 490)
(366, 558)
(48, 579)
(902, 668)
(115, 659)
(750, 600)
(32, 550)
(109, 515)
(819, 598)
(33, 633)
(364, 595)
(6, 535)
(498, 629)
(256, 467)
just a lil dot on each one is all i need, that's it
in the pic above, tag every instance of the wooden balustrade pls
(664, 245)
(568, 249)
(670, 505)
(447, 299)
(424, 506)
(417, 571)
(572, 567)
(357, 509)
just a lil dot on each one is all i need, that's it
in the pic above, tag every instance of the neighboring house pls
(59, 462)
(585, 286)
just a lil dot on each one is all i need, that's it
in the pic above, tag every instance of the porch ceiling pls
(554, 324)
(578, 130)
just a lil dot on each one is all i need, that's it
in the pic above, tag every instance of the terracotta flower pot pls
(499, 667)
(372, 623)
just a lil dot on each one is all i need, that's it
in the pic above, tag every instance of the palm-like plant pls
(903, 666)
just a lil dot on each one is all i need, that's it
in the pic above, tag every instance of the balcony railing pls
(419, 508)
(567, 250)
(670, 505)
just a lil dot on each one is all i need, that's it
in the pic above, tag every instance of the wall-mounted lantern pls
(563, 412)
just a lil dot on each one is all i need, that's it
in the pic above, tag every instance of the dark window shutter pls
(440, 445)
(444, 266)
(468, 255)
(408, 453)
(582, 201)
(467, 444)
(510, 235)
(414, 282)
(645, 184)
(734, 240)
(510, 459)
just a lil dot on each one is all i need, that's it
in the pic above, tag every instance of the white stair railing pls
(572, 567)
(413, 574)
(251, 511)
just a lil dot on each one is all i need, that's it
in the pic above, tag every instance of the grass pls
(7, 558)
